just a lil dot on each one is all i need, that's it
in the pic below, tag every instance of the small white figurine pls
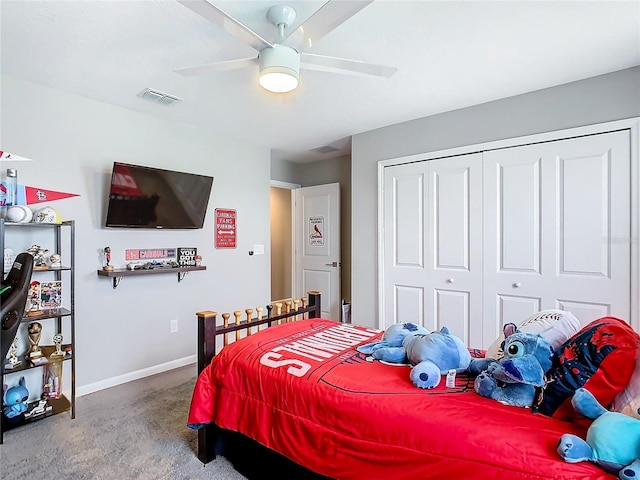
(38, 255)
(55, 260)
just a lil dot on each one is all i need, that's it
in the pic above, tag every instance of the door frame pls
(632, 124)
(291, 187)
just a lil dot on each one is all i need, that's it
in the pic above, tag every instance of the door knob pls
(333, 264)
(517, 285)
(451, 280)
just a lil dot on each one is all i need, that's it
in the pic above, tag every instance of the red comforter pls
(303, 390)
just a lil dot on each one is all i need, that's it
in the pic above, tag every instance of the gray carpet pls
(132, 431)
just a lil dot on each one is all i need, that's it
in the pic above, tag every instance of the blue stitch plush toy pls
(15, 399)
(431, 354)
(513, 379)
(612, 441)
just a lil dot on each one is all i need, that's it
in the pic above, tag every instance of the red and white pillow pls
(556, 326)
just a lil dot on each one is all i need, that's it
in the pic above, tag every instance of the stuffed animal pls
(612, 441)
(431, 354)
(513, 379)
(391, 344)
(15, 399)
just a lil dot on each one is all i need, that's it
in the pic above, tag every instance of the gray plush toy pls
(513, 379)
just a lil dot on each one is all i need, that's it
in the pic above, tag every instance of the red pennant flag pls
(39, 195)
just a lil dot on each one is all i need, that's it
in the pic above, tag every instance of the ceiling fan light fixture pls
(279, 69)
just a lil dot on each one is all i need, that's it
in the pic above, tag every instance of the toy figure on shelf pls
(15, 399)
(55, 259)
(33, 305)
(51, 381)
(107, 256)
(38, 256)
(41, 408)
(14, 361)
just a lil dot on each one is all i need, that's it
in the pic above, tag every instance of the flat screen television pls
(146, 197)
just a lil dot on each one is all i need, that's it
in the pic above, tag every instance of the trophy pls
(35, 355)
(14, 361)
(57, 341)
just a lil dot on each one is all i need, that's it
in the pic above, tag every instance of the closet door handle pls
(451, 280)
(517, 285)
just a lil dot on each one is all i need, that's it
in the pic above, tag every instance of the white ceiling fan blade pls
(327, 18)
(342, 65)
(232, 26)
(217, 67)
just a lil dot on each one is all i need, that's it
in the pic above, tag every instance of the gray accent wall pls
(604, 98)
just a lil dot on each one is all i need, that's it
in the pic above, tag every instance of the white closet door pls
(433, 244)
(404, 233)
(557, 229)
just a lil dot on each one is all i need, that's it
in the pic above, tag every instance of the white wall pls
(599, 99)
(73, 142)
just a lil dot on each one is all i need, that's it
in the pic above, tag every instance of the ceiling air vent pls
(324, 149)
(158, 97)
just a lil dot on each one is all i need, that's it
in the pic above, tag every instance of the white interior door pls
(433, 244)
(559, 227)
(317, 245)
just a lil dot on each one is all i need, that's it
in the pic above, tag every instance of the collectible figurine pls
(107, 257)
(33, 305)
(15, 399)
(51, 381)
(14, 361)
(38, 256)
(55, 260)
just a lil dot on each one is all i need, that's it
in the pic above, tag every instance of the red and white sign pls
(149, 253)
(226, 225)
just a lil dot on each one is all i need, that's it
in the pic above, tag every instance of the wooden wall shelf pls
(118, 273)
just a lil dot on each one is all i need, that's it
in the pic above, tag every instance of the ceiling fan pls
(279, 61)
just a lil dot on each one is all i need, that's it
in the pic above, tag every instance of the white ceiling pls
(449, 55)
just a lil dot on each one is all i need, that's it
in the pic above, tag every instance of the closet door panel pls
(404, 224)
(518, 216)
(513, 225)
(585, 310)
(432, 256)
(517, 308)
(453, 310)
(582, 196)
(454, 245)
(584, 185)
(408, 302)
(593, 259)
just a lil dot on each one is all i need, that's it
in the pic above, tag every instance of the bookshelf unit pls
(60, 239)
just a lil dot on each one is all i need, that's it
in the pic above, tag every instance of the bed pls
(300, 395)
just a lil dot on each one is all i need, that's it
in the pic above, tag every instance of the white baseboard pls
(138, 374)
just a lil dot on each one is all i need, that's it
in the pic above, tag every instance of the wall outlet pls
(174, 325)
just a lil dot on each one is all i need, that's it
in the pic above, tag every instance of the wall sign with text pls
(226, 225)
